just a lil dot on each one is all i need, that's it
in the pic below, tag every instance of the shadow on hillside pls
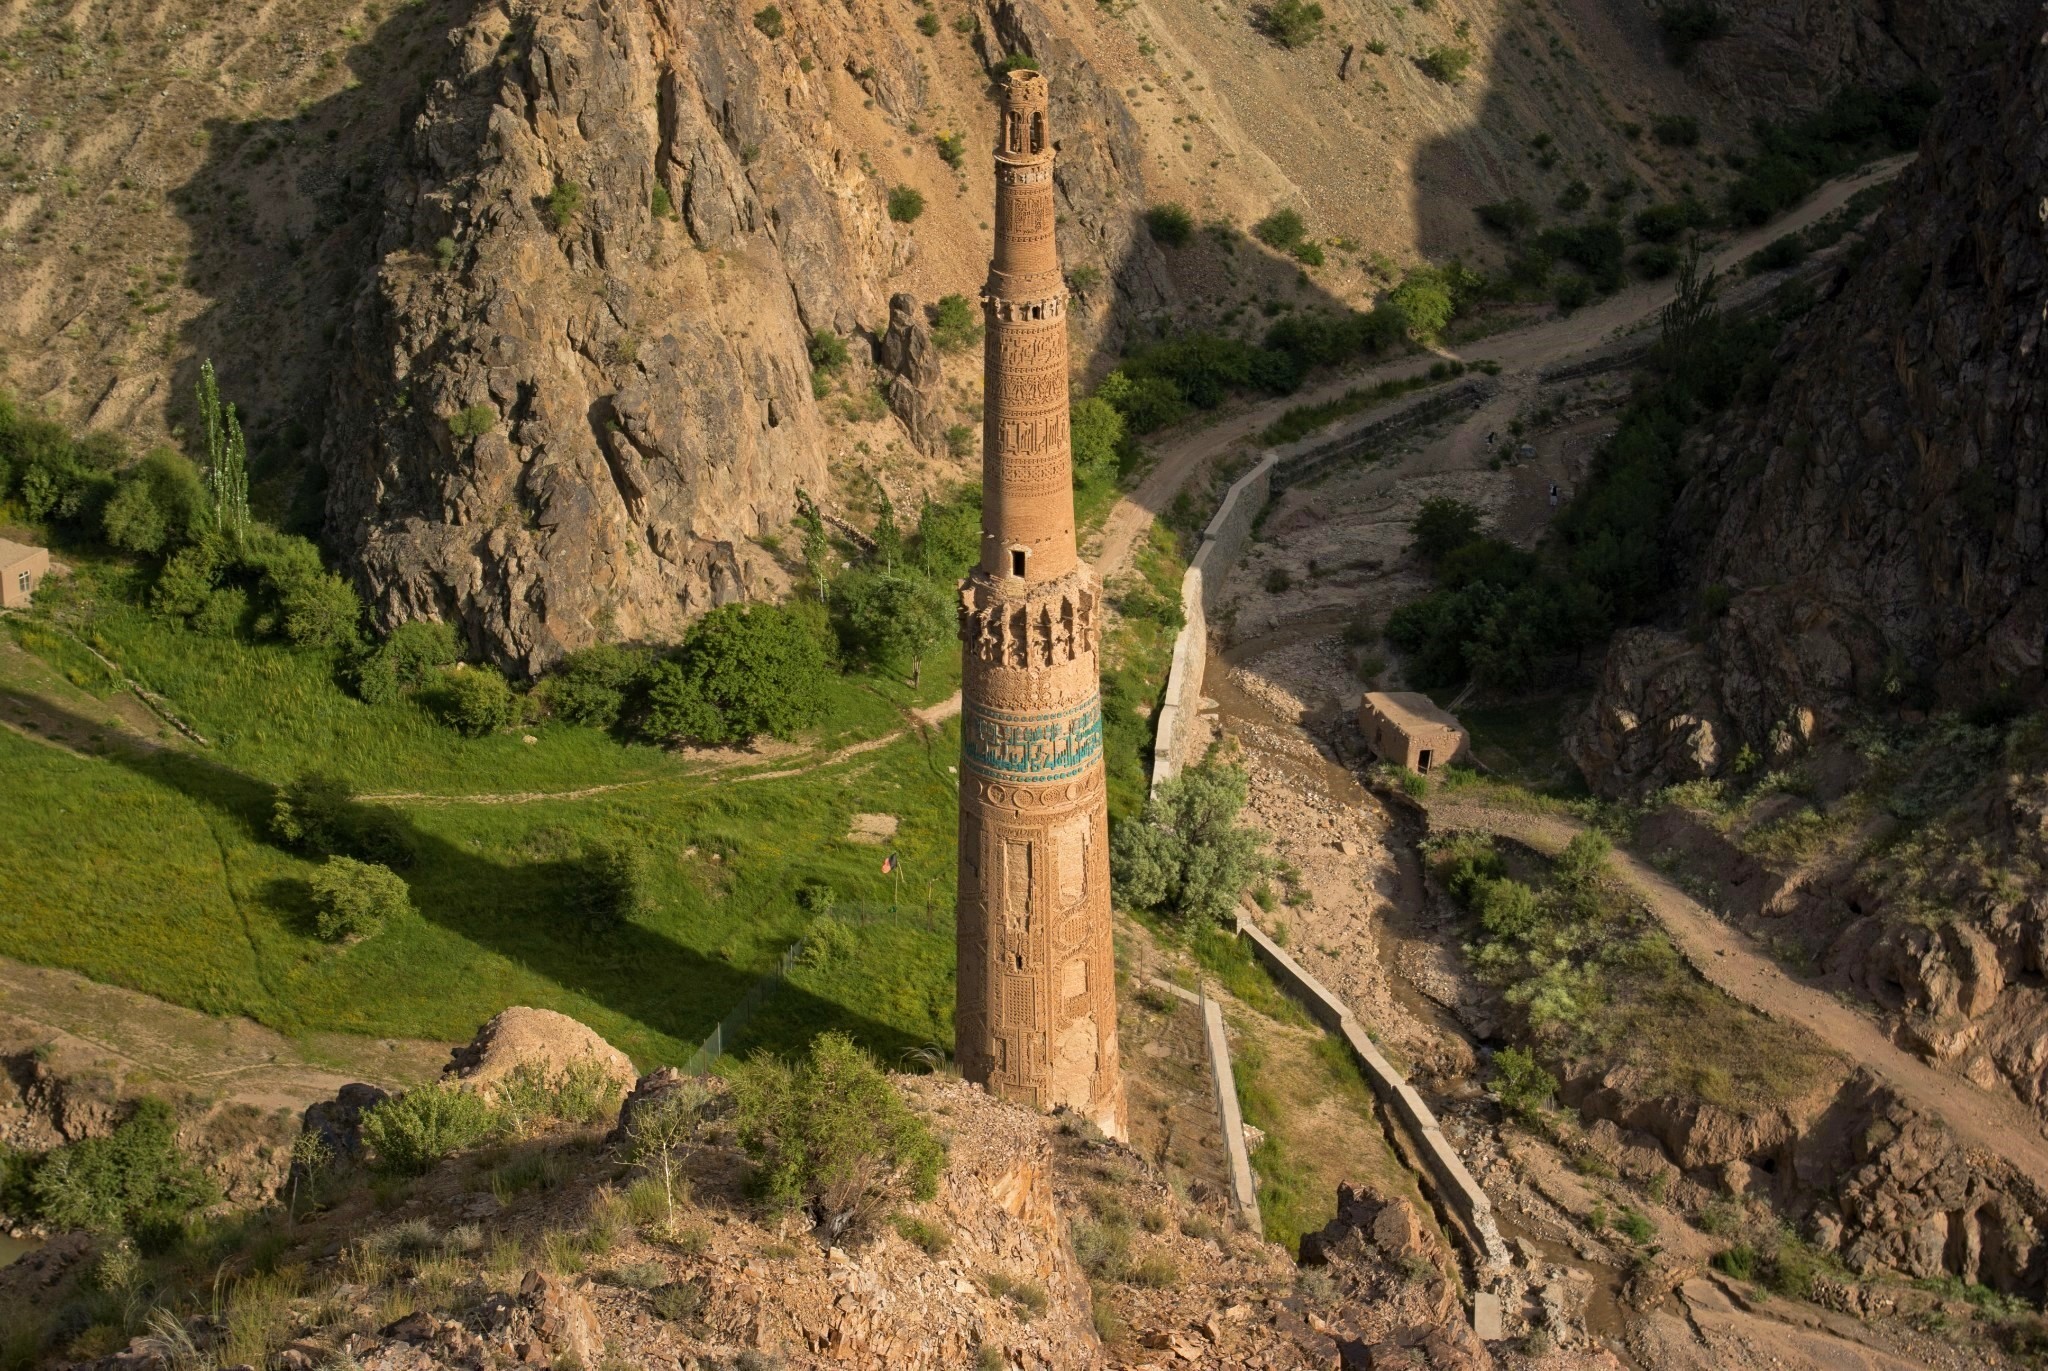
(284, 216)
(514, 911)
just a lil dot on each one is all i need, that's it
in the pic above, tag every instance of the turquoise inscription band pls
(1031, 747)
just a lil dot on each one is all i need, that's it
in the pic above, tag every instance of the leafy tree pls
(222, 613)
(1523, 1086)
(1170, 224)
(817, 545)
(832, 1136)
(1424, 300)
(313, 607)
(593, 685)
(608, 888)
(743, 670)
(477, 701)
(948, 539)
(311, 813)
(187, 578)
(1281, 229)
(353, 899)
(1290, 23)
(134, 1180)
(1446, 63)
(893, 616)
(406, 660)
(952, 148)
(227, 460)
(906, 203)
(1098, 436)
(158, 506)
(1442, 526)
(956, 323)
(1188, 855)
(408, 1133)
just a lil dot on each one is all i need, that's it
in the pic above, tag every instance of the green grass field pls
(152, 868)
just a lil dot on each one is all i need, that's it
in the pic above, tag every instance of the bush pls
(187, 578)
(743, 670)
(1017, 61)
(905, 204)
(222, 613)
(1097, 434)
(564, 202)
(768, 19)
(1738, 1261)
(956, 323)
(1523, 1087)
(832, 1136)
(406, 660)
(1290, 23)
(1573, 292)
(928, 24)
(1282, 229)
(920, 1233)
(1777, 255)
(1663, 223)
(409, 1133)
(608, 888)
(473, 422)
(593, 686)
(476, 701)
(1445, 63)
(353, 899)
(827, 350)
(1442, 526)
(1656, 261)
(1187, 856)
(1575, 197)
(1170, 224)
(893, 617)
(1687, 24)
(952, 148)
(531, 1097)
(1425, 302)
(135, 1180)
(160, 505)
(1511, 218)
(1676, 130)
(1595, 249)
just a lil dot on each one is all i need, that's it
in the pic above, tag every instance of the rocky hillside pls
(1875, 530)
(377, 224)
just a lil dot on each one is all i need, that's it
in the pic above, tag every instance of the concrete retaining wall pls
(1454, 1185)
(1244, 1195)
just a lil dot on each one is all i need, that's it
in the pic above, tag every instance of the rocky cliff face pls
(1879, 522)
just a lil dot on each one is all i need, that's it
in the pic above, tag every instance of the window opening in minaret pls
(1017, 562)
(1038, 133)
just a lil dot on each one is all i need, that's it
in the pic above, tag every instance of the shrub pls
(956, 323)
(1017, 61)
(1171, 224)
(1738, 1261)
(408, 1133)
(134, 1180)
(893, 617)
(222, 613)
(768, 19)
(1442, 526)
(1688, 23)
(905, 204)
(1522, 1086)
(1663, 223)
(661, 204)
(1655, 261)
(960, 440)
(406, 660)
(1097, 435)
(827, 350)
(1425, 302)
(1777, 255)
(1676, 130)
(1575, 197)
(353, 899)
(660, 1131)
(1635, 1227)
(1573, 292)
(1290, 23)
(922, 1233)
(187, 578)
(593, 685)
(476, 701)
(473, 422)
(564, 201)
(952, 148)
(1187, 855)
(1282, 229)
(160, 505)
(608, 888)
(531, 1096)
(1511, 218)
(928, 24)
(678, 1301)
(313, 813)
(1445, 63)
(832, 1136)
(743, 670)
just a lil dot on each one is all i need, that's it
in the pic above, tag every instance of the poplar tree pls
(227, 460)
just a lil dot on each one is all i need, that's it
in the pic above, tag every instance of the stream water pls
(12, 1248)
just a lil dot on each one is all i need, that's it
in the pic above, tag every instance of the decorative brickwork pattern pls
(1036, 1013)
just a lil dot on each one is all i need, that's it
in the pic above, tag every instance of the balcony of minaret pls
(1051, 624)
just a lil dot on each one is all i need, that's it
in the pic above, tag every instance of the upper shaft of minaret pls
(1027, 464)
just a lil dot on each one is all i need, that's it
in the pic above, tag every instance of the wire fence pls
(854, 914)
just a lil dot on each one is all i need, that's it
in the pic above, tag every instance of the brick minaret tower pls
(1036, 1019)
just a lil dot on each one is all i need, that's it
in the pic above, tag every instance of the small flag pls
(889, 863)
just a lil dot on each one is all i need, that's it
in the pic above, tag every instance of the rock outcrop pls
(910, 359)
(1879, 523)
(539, 1039)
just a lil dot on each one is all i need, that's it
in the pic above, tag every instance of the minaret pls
(1036, 1015)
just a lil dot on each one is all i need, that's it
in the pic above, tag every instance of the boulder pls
(910, 359)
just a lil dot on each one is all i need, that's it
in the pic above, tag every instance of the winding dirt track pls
(1988, 1122)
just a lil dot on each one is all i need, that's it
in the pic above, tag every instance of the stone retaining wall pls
(1455, 1188)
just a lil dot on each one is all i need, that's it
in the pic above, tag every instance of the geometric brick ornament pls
(1035, 1017)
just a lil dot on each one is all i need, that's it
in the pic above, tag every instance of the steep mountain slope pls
(1878, 525)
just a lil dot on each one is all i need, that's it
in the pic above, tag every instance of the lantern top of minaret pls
(1026, 103)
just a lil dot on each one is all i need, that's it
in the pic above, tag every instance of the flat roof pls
(1408, 708)
(12, 552)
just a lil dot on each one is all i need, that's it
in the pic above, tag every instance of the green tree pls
(593, 685)
(608, 888)
(1442, 526)
(158, 506)
(895, 616)
(817, 545)
(1170, 224)
(477, 701)
(1281, 229)
(906, 203)
(832, 1136)
(188, 577)
(133, 1180)
(956, 323)
(1445, 63)
(743, 670)
(1188, 855)
(406, 660)
(353, 899)
(1424, 299)
(227, 460)
(1098, 436)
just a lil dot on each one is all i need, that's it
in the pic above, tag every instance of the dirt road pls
(1521, 353)
(1983, 1120)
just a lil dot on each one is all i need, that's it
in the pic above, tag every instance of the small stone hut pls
(1409, 730)
(22, 569)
